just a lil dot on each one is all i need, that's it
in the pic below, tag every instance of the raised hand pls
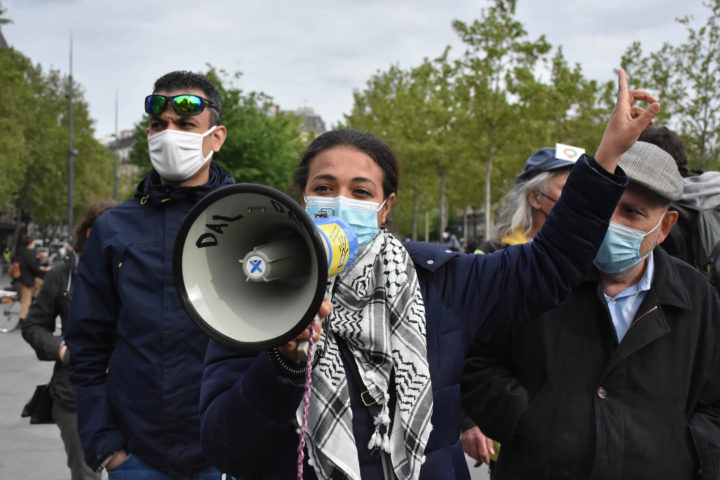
(625, 124)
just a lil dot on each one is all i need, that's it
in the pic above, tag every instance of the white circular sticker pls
(255, 267)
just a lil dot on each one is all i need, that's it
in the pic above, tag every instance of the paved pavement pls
(26, 451)
(479, 473)
(36, 451)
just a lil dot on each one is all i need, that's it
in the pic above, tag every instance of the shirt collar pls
(645, 281)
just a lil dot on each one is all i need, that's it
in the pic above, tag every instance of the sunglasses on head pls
(183, 104)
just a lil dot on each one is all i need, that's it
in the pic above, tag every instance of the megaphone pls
(251, 267)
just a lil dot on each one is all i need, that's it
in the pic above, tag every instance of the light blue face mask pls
(620, 249)
(361, 215)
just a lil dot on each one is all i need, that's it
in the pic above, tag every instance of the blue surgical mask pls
(361, 215)
(620, 249)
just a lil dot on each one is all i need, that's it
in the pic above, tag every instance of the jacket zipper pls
(642, 316)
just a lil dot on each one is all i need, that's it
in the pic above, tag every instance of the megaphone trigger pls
(303, 345)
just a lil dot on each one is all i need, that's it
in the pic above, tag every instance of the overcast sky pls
(311, 53)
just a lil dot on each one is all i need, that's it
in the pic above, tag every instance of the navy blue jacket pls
(248, 409)
(136, 356)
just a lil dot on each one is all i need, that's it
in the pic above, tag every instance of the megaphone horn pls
(251, 267)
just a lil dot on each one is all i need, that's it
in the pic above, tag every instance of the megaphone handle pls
(302, 348)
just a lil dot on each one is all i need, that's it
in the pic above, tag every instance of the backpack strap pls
(72, 262)
(710, 260)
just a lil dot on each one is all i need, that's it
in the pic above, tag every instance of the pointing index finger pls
(623, 95)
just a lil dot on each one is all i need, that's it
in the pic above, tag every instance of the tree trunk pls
(488, 206)
(466, 236)
(443, 203)
(415, 214)
(427, 226)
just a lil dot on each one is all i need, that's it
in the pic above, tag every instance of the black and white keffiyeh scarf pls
(379, 312)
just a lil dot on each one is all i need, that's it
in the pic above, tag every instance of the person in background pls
(622, 380)
(670, 141)
(683, 240)
(537, 188)
(38, 330)
(136, 356)
(450, 241)
(30, 275)
(531, 198)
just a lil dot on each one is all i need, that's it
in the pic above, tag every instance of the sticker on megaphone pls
(284, 258)
(341, 243)
(341, 250)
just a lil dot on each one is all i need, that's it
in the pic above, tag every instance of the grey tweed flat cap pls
(653, 168)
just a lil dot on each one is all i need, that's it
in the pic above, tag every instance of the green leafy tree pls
(686, 77)
(33, 152)
(412, 111)
(459, 126)
(568, 109)
(375, 110)
(18, 111)
(139, 154)
(497, 56)
(3, 19)
(45, 189)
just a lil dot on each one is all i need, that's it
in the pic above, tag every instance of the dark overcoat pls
(567, 401)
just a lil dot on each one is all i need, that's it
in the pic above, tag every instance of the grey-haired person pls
(528, 203)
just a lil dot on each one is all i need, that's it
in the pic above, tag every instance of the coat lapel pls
(650, 323)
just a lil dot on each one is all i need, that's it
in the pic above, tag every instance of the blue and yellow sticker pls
(341, 242)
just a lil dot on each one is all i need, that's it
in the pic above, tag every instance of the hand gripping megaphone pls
(251, 267)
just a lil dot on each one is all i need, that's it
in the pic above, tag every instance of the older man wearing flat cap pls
(622, 380)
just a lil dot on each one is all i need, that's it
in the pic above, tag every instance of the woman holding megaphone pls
(384, 401)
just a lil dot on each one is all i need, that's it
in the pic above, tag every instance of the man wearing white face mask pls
(622, 380)
(136, 356)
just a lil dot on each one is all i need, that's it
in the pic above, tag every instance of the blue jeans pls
(135, 469)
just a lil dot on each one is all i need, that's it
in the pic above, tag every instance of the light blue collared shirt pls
(625, 304)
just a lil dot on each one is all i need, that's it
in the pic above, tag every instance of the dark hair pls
(669, 141)
(362, 141)
(95, 210)
(27, 240)
(182, 79)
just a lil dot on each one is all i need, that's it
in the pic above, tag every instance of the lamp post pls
(71, 151)
(117, 148)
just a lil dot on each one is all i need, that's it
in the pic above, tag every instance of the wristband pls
(286, 368)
